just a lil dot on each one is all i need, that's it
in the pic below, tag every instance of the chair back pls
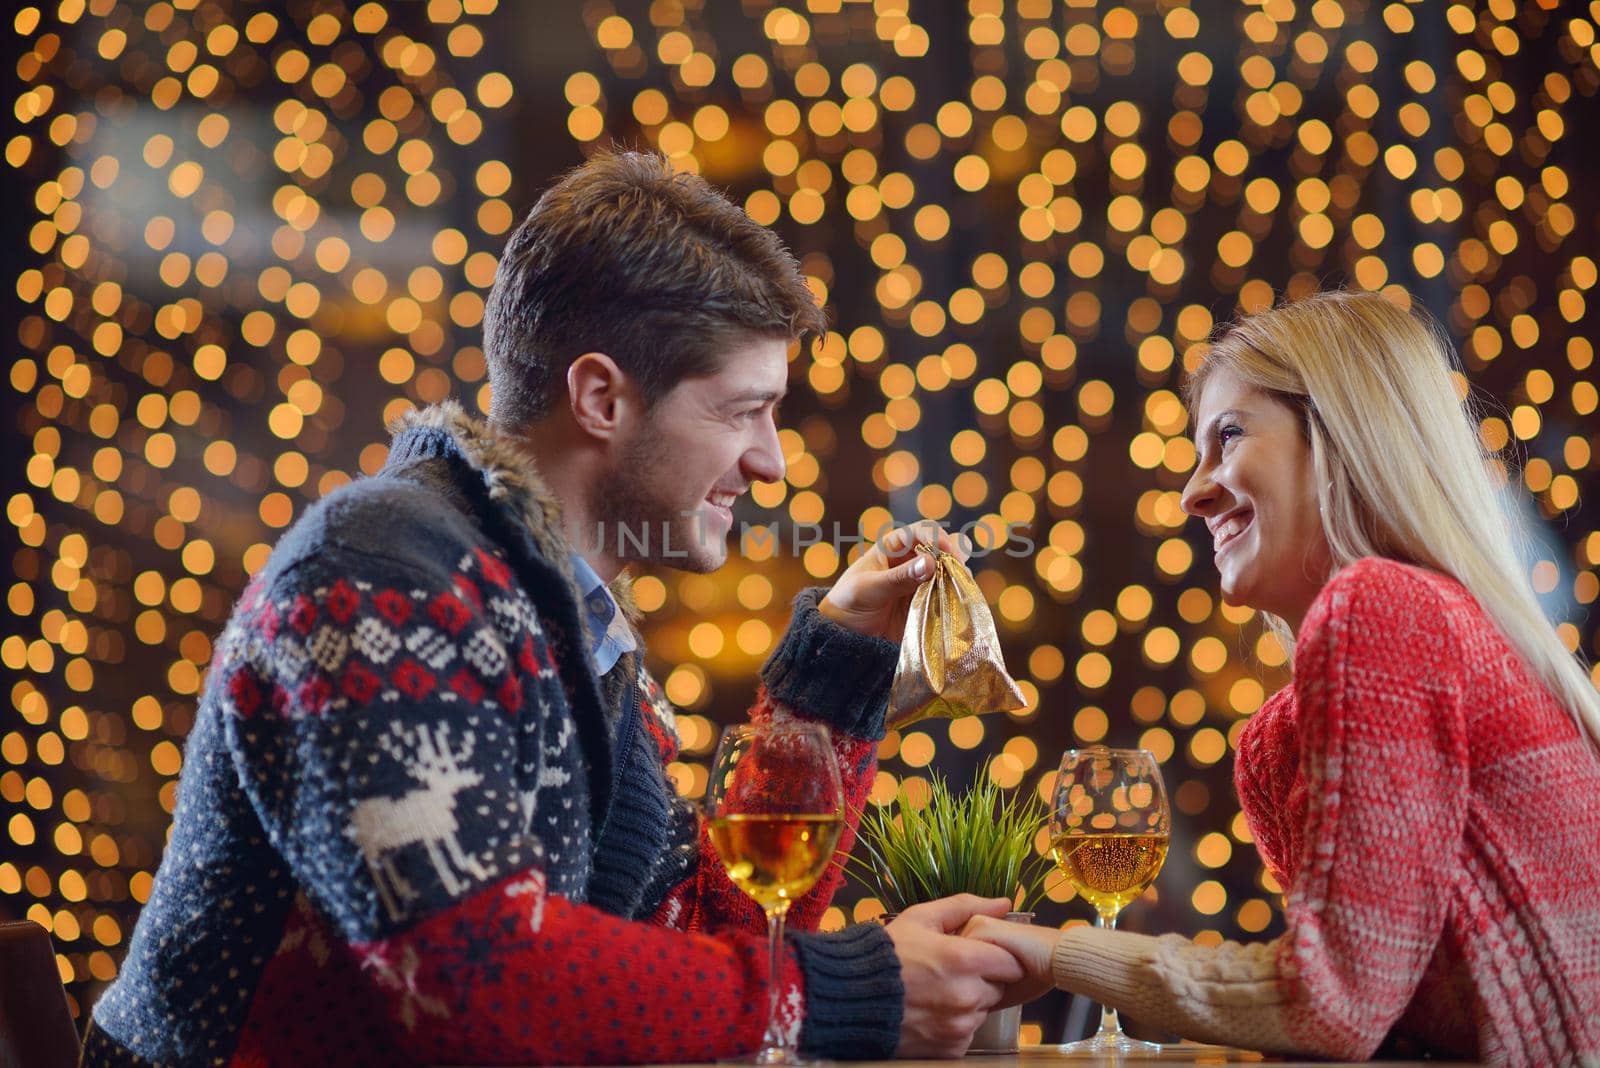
(36, 1029)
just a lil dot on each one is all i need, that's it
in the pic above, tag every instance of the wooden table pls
(1176, 1053)
(1179, 1053)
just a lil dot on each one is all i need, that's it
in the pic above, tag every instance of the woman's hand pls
(1031, 946)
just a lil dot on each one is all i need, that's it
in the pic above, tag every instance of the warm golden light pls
(252, 238)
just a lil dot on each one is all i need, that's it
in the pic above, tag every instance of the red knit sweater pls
(1435, 816)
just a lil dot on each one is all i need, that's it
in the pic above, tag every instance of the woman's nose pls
(1200, 494)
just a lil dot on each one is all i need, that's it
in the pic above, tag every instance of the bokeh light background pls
(242, 237)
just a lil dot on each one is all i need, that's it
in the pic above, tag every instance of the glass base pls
(1113, 1042)
(775, 1055)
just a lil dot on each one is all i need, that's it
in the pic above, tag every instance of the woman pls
(1428, 785)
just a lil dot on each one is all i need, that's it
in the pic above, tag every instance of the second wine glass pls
(775, 809)
(1109, 830)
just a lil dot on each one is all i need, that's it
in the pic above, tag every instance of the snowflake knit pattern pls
(413, 826)
(1435, 814)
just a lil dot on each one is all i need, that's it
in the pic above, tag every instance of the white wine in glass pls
(775, 859)
(1109, 830)
(774, 807)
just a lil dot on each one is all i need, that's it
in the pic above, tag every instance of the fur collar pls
(512, 479)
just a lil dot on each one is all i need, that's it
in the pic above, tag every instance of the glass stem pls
(1110, 1026)
(777, 1038)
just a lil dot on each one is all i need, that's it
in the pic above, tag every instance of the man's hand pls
(874, 593)
(951, 983)
(1031, 947)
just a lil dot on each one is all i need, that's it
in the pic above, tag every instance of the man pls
(423, 814)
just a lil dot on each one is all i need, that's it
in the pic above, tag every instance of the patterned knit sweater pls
(414, 827)
(1435, 816)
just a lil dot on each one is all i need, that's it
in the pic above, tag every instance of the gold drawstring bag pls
(950, 663)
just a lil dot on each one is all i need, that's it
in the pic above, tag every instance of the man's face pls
(696, 451)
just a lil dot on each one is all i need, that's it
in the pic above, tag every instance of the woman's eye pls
(1227, 434)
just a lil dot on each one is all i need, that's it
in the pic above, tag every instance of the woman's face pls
(1254, 486)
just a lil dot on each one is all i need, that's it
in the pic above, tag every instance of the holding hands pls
(1031, 949)
(950, 982)
(960, 961)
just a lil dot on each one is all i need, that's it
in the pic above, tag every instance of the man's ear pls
(599, 394)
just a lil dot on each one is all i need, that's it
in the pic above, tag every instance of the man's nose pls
(763, 461)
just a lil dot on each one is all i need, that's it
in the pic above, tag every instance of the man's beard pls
(641, 524)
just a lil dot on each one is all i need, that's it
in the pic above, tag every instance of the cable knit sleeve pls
(1384, 763)
(1229, 994)
(1384, 759)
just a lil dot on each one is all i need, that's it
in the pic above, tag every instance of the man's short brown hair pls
(654, 268)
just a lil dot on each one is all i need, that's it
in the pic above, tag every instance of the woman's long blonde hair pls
(1400, 470)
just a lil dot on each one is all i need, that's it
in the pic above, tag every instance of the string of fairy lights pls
(255, 237)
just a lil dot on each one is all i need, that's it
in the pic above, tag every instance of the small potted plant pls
(977, 842)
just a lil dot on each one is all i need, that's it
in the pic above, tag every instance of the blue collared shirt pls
(609, 633)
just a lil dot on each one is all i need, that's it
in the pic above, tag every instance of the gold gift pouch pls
(950, 663)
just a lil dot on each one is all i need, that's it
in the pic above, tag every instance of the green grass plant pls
(976, 842)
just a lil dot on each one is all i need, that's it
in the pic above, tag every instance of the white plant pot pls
(1001, 1029)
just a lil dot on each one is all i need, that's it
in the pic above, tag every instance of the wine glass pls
(775, 811)
(1109, 830)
